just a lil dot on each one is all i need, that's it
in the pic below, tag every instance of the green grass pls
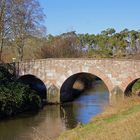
(136, 86)
(113, 124)
(123, 114)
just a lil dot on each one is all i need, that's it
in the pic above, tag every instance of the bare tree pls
(61, 46)
(26, 21)
(4, 23)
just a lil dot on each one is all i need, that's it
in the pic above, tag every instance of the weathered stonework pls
(114, 73)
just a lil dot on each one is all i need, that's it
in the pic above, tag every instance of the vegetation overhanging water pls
(53, 120)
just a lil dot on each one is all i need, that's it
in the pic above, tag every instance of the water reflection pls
(86, 106)
(53, 120)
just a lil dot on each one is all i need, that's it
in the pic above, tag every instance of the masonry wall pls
(116, 74)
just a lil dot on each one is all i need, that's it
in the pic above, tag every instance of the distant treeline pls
(107, 44)
(23, 36)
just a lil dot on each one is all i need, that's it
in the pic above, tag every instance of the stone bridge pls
(118, 75)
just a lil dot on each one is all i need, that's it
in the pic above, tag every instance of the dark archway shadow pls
(75, 85)
(130, 89)
(35, 84)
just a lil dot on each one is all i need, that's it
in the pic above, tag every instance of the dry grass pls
(120, 122)
(36, 135)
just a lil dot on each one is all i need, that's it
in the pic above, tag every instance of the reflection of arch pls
(68, 114)
(36, 84)
(68, 92)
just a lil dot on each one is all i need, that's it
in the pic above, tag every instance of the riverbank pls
(115, 123)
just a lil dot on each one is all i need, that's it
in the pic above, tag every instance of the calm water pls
(53, 120)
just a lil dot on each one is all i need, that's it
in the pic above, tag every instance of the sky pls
(90, 16)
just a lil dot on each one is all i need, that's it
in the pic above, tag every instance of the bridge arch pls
(74, 85)
(35, 83)
(127, 84)
(93, 71)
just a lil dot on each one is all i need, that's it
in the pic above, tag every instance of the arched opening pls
(77, 84)
(35, 84)
(83, 95)
(133, 88)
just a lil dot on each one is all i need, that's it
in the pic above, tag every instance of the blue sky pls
(90, 16)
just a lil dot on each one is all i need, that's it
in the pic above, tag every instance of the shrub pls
(16, 97)
(5, 76)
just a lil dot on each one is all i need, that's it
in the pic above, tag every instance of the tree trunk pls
(20, 53)
(1, 50)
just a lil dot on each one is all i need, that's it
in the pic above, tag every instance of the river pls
(52, 120)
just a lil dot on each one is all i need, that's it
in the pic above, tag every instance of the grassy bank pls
(120, 122)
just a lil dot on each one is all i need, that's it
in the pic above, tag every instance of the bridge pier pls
(53, 94)
(116, 95)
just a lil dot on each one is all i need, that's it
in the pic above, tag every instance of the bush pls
(16, 97)
(5, 76)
